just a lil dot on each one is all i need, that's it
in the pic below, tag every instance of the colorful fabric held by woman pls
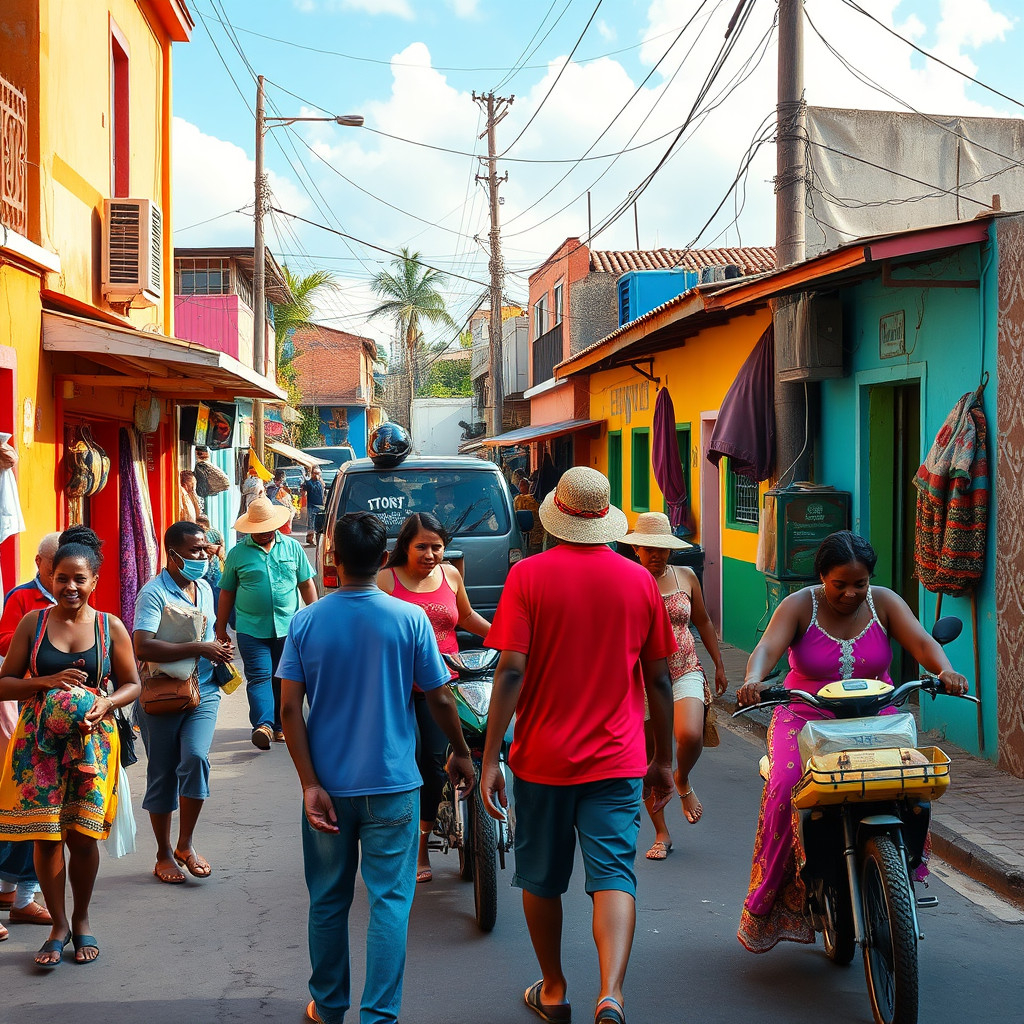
(54, 779)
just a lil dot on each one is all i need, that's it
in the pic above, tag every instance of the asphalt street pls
(233, 948)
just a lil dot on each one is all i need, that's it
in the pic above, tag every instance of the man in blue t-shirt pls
(355, 656)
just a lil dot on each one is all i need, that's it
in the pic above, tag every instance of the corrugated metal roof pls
(750, 259)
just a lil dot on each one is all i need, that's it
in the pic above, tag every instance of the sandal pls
(85, 942)
(699, 809)
(556, 1013)
(52, 946)
(424, 875)
(192, 864)
(167, 878)
(659, 850)
(4, 933)
(609, 1011)
(311, 1013)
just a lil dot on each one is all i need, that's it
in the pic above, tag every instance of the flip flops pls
(191, 864)
(659, 850)
(80, 942)
(555, 1013)
(53, 946)
(311, 1013)
(609, 1011)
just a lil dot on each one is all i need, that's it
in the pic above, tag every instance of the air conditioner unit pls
(133, 254)
(809, 337)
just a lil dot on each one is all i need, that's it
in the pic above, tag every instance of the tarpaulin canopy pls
(668, 466)
(745, 430)
(297, 456)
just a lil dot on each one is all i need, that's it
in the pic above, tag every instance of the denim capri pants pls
(604, 814)
(178, 748)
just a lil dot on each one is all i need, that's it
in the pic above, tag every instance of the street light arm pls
(348, 120)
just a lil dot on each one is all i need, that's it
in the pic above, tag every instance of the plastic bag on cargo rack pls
(834, 735)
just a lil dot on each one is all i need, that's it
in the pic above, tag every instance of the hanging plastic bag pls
(121, 840)
(11, 519)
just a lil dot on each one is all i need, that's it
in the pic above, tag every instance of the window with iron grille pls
(202, 277)
(741, 501)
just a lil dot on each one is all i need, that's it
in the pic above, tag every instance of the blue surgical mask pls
(192, 568)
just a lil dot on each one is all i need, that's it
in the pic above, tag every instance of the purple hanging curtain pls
(668, 467)
(136, 563)
(745, 430)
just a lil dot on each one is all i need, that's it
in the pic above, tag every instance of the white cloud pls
(606, 31)
(397, 8)
(464, 8)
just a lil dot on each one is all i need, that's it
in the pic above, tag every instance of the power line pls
(520, 61)
(561, 71)
(931, 56)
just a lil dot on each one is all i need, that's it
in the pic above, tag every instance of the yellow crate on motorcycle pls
(886, 774)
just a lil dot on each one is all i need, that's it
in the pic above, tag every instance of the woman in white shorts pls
(691, 695)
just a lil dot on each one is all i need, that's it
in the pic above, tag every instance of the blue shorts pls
(604, 814)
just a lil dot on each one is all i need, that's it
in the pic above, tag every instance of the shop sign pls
(892, 335)
(629, 398)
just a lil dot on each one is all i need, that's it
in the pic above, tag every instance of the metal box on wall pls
(800, 519)
(809, 337)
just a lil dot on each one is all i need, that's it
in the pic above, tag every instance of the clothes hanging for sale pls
(668, 466)
(952, 502)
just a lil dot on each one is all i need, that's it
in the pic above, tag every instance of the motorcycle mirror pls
(947, 629)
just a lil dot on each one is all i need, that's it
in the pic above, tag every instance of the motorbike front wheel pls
(890, 955)
(466, 850)
(485, 871)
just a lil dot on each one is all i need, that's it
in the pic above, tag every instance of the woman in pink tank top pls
(839, 629)
(416, 572)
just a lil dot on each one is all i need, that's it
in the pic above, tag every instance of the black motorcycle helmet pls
(388, 445)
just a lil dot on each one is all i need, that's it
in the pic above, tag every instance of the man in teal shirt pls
(264, 576)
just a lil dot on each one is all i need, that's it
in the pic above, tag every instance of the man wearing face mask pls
(178, 745)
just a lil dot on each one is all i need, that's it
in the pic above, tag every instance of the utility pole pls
(259, 271)
(497, 108)
(790, 203)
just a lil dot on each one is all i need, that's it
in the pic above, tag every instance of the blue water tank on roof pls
(640, 291)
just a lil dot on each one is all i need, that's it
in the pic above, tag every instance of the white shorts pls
(689, 684)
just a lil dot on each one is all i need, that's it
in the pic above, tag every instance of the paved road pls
(233, 949)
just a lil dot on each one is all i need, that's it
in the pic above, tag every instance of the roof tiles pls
(750, 259)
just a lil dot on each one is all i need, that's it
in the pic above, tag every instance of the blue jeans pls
(260, 657)
(178, 748)
(384, 827)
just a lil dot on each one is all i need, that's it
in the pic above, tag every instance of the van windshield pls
(468, 504)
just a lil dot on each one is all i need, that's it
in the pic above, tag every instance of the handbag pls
(167, 695)
(226, 676)
(711, 738)
(126, 731)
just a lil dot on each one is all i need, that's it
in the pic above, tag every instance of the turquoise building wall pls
(950, 342)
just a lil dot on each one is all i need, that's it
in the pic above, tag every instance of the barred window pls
(202, 277)
(741, 500)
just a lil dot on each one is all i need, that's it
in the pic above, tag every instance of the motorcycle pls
(863, 805)
(462, 822)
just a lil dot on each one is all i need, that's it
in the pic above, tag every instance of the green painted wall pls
(744, 604)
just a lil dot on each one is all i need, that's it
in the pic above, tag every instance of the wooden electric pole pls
(496, 108)
(792, 448)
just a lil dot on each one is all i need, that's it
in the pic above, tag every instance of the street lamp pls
(259, 268)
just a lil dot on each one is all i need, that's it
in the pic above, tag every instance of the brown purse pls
(165, 695)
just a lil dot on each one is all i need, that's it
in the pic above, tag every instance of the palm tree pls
(411, 296)
(292, 316)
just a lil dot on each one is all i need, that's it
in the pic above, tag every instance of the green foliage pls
(308, 434)
(448, 378)
(466, 339)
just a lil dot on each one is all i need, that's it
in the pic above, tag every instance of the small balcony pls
(547, 353)
(13, 158)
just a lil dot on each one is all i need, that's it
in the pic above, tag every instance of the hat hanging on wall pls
(147, 414)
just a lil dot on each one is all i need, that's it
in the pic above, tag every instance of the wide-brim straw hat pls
(262, 516)
(579, 509)
(653, 530)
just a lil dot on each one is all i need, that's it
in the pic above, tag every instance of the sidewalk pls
(977, 827)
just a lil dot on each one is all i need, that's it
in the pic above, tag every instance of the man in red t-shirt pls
(583, 634)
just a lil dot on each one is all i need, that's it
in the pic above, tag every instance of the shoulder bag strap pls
(40, 633)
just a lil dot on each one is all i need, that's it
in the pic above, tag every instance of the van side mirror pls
(319, 521)
(524, 517)
(947, 629)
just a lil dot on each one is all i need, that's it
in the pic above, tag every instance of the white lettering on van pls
(376, 504)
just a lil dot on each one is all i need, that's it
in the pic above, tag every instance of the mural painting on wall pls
(334, 425)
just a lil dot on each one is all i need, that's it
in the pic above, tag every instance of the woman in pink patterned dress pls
(838, 629)
(691, 695)
(416, 572)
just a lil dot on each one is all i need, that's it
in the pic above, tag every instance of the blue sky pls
(419, 61)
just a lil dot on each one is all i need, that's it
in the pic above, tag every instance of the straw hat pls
(653, 530)
(263, 516)
(579, 509)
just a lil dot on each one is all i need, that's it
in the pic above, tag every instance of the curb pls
(947, 843)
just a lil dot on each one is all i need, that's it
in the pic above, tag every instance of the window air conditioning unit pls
(809, 337)
(133, 255)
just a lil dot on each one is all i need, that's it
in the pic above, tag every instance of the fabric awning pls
(540, 432)
(152, 362)
(297, 455)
